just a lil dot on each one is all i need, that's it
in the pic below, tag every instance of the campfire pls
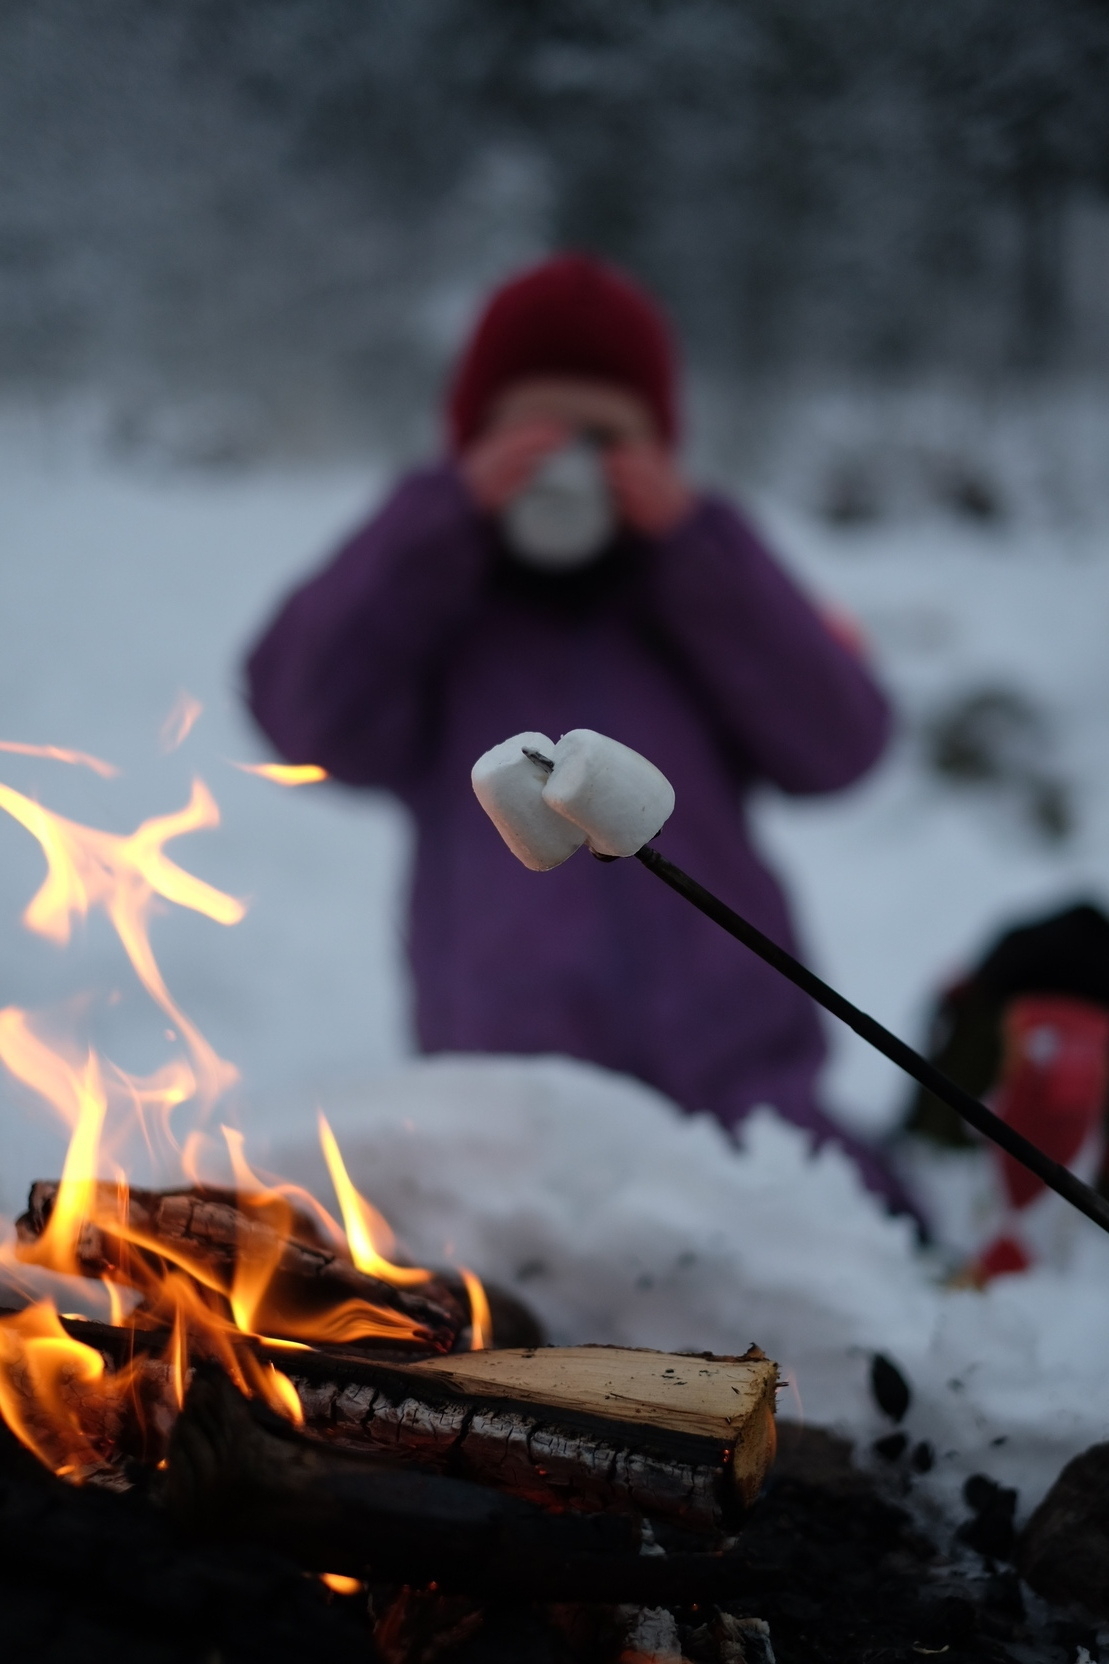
(219, 1391)
(262, 1369)
(197, 1272)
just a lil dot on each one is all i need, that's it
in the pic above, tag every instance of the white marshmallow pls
(617, 798)
(509, 787)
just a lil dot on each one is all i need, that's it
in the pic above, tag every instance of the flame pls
(340, 1584)
(56, 1248)
(257, 1263)
(57, 754)
(285, 774)
(61, 1397)
(285, 1394)
(368, 1234)
(38, 1065)
(178, 1355)
(481, 1320)
(179, 723)
(42, 1376)
(88, 868)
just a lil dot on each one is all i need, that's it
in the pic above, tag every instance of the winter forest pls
(236, 201)
(242, 245)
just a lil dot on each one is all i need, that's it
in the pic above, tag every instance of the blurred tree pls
(293, 188)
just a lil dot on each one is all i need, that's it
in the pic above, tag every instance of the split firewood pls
(235, 1472)
(689, 1438)
(312, 1290)
(605, 1429)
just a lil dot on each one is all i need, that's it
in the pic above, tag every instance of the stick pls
(1053, 1173)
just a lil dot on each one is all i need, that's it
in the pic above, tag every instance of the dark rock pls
(892, 1447)
(889, 1387)
(923, 1458)
(949, 1620)
(815, 1456)
(991, 1532)
(1004, 1603)
(1063, 1551)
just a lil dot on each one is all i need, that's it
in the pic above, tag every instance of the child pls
(556, 572)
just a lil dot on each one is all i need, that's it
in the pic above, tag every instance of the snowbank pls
(620, 1220)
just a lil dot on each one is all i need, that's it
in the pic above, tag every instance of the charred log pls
(602, 1429)
(237, 1472)
(684, 1438)
(314, 1292)
(89, 1574)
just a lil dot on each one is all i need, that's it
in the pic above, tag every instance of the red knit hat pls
(569, 316)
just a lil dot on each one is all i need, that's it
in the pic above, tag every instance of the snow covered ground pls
(122, 585)
(619, 1221)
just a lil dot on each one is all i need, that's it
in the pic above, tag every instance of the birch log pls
(689, 1438)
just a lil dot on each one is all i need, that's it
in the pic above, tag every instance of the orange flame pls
(56, 1248)
(179, 723)
(88, 868)
(285, 774)
(285, 1396)
(58, 1395)
(340, 1584)
(42, 1374)
(56, 754)
(481, 1319)
(368, 1234)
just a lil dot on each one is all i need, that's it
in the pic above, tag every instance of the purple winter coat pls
(423, 644)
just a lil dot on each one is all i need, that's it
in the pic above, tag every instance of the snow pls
(123, 585)
(619, 1221)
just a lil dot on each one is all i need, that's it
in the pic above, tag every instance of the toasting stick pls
(547, 800)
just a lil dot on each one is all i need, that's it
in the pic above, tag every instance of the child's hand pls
(651, 493)
(499, 464)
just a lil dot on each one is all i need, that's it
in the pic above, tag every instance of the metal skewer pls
(1053, 1173)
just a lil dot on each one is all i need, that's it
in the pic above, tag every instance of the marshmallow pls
(509, 786)
(617, 798)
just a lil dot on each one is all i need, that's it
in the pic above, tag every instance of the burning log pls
(237, 1472)
(689, 1438)
(309, 1291)
(594, 1428)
